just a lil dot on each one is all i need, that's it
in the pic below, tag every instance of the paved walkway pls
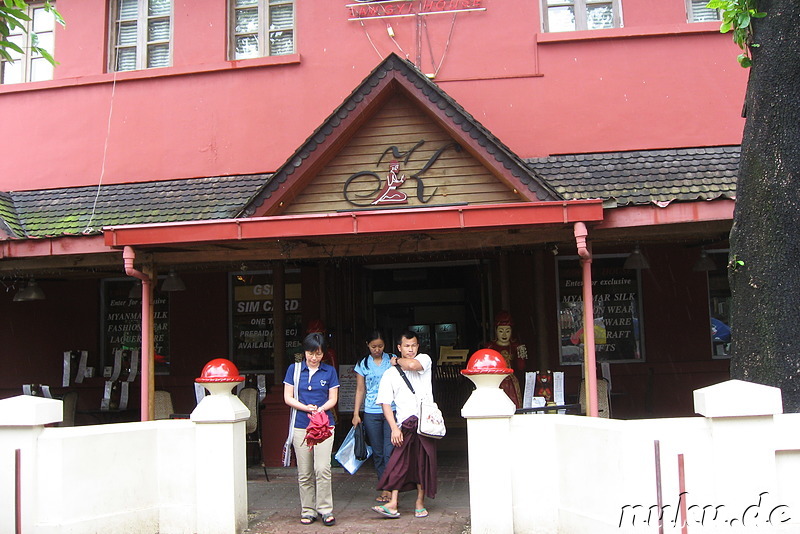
(274, 506)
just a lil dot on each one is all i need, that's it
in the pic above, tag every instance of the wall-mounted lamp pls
(173, 282)
(636, 260)
(31, 291)
(704, 263)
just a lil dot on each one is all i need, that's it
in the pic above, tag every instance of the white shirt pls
(394, 389)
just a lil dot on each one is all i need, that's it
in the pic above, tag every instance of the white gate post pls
(488, 413)
(221, 456)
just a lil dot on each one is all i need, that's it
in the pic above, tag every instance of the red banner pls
(408, 8)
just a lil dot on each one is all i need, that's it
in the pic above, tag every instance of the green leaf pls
(45, 54)
(743, 19)
(12, 46)
(745, 62)
(725, 27)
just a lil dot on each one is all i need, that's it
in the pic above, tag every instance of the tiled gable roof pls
(644, 176)
(428, 93)
(54, 212)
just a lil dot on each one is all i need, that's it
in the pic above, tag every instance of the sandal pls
(307, 519)
(328, 520)
(385, 512)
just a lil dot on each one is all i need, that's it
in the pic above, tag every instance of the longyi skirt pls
(412, 463)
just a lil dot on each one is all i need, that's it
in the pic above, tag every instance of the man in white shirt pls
(413, 461)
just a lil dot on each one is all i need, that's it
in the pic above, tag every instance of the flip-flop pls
(385, 512)
(421, 512)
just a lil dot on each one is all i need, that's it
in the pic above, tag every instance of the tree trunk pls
(764, 268)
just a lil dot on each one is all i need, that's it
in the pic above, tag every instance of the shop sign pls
(251, 312)
(367, 188)
(617, 310)
(122, 323)
(409, 8)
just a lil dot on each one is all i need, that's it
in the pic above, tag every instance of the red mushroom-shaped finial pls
(219, 370)
(486, 362)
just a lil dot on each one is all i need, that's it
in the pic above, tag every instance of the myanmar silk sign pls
(409, 8)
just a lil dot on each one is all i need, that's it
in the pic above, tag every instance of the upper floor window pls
(30, 66)
(697, 11)
(261, 28)
(141, 34)
(572, 15)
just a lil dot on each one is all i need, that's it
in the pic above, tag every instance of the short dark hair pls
(314, 342)
(408, 334)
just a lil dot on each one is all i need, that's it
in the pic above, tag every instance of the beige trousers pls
(313, 474)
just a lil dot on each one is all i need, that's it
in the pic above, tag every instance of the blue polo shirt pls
(313, 391)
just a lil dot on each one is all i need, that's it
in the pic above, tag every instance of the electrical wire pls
(446, 46)
(370, 39)
(89, 228)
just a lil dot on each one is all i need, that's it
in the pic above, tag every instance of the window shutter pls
(281, 29)
(701, 13)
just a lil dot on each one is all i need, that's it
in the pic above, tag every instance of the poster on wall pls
(122, 326)
(251, 319)
(617, 310)
(347, 388)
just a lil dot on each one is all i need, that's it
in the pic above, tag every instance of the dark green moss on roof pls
(644, 176)
(9, 221)
(75, 210)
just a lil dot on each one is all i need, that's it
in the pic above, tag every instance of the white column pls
(221, 461)
(488, 413)
(22, 421)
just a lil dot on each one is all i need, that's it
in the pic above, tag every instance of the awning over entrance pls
(376, 222)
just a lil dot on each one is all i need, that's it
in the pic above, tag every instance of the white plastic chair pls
(249, 397)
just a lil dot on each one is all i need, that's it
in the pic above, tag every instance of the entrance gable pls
(397, 141)
(433, 169)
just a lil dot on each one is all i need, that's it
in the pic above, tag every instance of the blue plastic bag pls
(346, 455)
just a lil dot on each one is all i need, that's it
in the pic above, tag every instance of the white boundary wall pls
(144, 477)
(580, 475)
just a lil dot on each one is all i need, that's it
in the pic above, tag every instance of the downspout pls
(589, 359)
(128, 255)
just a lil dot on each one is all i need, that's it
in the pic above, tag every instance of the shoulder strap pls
(408, 383)
(297, 367)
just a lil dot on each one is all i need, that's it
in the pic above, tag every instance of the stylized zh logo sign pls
(388, 192)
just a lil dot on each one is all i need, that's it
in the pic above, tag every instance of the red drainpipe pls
(589, 360)
(128, 255)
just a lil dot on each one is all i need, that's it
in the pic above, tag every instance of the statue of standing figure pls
(515, 354)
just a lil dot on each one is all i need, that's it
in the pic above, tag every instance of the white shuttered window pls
(261, 28)
(574, 15)
(141, 34)
(696, 11)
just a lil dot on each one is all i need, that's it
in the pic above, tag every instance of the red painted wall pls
(648, 85)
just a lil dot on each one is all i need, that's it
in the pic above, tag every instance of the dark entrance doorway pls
(445, 303)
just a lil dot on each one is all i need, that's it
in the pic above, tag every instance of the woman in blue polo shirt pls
(317, 391)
